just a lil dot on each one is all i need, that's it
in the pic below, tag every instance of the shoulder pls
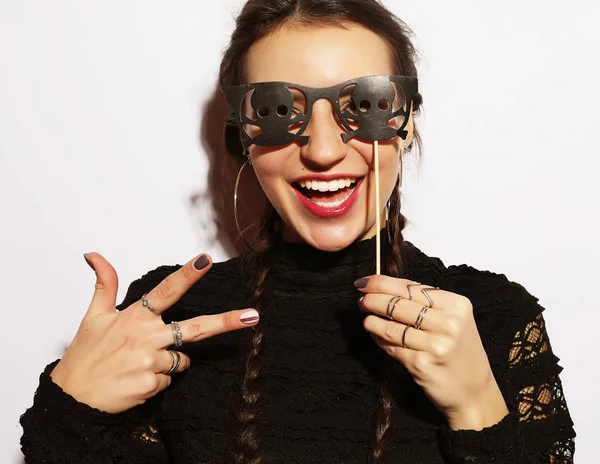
(502, 308)
(492, 294)
(223, 285)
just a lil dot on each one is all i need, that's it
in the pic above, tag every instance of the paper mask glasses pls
(278, 113)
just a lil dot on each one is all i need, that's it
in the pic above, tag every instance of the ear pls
(410, 129)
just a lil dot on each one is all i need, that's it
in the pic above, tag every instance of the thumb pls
(107, 283)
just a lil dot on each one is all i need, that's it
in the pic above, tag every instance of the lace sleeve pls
(538, 428)
(541, 405)
(58, 429)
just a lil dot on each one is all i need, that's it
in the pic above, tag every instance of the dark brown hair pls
(257, 19)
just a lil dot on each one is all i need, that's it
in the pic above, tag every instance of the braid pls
(246, 449)
(384, 412)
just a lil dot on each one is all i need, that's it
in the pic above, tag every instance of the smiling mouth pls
(328, 194)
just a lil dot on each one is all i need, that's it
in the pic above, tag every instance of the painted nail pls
(361, 283)
(201, 262)
(360, 301)
(249, 317)
(88, 261)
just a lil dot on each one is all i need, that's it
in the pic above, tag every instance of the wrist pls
(487, 410)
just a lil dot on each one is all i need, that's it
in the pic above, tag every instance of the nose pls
(325, 147)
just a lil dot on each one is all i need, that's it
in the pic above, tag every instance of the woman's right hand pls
(118, 359)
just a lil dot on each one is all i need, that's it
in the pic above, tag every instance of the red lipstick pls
(327, 211)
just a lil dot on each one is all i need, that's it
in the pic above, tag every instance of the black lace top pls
(320, 376)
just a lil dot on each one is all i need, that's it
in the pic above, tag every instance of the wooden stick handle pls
(377, 211)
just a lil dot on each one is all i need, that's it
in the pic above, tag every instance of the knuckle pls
(420, 364)
(228, 322)
(453, 326)
(147, 362)
(197, 329)
(149, 382)
(465, 305)
(391, 331)
(440, 348)
(392, 350)
(165, 289)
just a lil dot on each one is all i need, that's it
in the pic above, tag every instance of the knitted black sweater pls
(320, 376)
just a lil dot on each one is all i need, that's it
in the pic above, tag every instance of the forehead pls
(318, 56)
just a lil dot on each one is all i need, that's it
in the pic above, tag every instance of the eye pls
(349, 105)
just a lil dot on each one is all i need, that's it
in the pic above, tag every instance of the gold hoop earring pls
(235, 196)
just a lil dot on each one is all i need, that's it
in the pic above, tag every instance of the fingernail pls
(201, 262)
(360, 301)
(88, 261)
(250, 317)
(361, 283)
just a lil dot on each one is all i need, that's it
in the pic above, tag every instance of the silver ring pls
(404, 336)
(172, 362)
(177, 335)
(421, 316)
(391, 307)
(146, 304)
(176, 361)
(423, 291)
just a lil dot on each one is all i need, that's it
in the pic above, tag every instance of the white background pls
(101, 107)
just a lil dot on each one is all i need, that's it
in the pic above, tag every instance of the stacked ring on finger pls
(176, 361)
(392, 306)
(404, 335)
(421, 316)
(177, 334)
(423, 291)
(146, 304)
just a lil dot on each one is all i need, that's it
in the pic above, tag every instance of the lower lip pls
(330, 211)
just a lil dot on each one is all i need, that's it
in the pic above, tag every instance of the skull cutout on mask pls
(277, 113)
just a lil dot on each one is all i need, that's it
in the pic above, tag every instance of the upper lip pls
(327, 177)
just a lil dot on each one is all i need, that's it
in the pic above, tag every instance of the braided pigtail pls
(246, 447)
(384, 414)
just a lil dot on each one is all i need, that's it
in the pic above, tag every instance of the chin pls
(328, 237)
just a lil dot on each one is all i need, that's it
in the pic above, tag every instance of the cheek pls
(389, 156)
(270, 171)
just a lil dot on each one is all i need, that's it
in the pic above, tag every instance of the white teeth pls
(327, 186)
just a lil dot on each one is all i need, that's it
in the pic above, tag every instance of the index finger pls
(206, 326)
(172, 288)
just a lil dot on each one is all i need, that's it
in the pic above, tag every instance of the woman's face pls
(322, 57)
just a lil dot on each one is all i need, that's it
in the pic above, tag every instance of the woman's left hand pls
(444, 355)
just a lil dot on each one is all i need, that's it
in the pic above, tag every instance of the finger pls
(403, 310)
(161, 383)
(203, 327)
(394, 333)
(167, 359)
(107, 283)
(417, 292)
(172, 288)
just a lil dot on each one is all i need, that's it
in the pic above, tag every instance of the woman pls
(436, 364)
